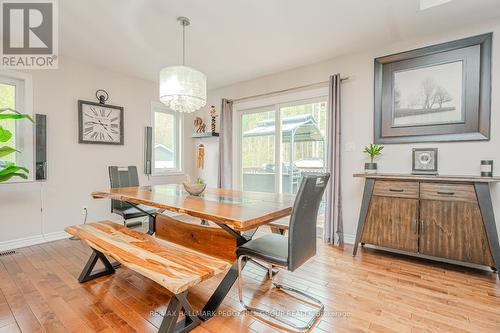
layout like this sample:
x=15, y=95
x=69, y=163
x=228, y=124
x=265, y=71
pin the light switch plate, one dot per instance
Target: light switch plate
x=350, y=146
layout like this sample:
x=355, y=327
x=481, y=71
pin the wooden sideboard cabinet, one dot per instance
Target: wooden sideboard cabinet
x=446, y=217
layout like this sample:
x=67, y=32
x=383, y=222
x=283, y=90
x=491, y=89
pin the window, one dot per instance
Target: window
x=15, y=93
x=280, y=139
x=167, y=126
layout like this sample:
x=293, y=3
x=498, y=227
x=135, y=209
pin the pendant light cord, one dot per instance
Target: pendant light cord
x=184, y=21
x=183, y=45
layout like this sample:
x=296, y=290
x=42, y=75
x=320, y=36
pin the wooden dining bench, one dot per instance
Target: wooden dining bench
x=280, y=226
x=173, y=266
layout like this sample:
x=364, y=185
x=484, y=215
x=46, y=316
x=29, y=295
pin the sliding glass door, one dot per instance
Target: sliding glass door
x=303, y=140
x=279, y=144
x=258, y=147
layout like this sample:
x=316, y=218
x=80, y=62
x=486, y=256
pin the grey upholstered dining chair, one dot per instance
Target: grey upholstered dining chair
x=292, y=251
x=127, y=177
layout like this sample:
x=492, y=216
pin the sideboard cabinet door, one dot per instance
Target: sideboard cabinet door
x=453, y=230
x=392, y=223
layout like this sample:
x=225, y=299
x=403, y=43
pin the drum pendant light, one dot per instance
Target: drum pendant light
x=182, y=88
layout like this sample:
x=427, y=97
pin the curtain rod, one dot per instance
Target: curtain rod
x=285, y=90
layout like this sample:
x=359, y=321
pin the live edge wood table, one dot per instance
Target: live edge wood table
x=234, y=215
x=446, y=217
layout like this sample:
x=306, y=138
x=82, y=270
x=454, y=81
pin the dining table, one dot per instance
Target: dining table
x=227, y=219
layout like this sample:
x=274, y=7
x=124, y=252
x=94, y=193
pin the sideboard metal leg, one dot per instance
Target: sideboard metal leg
x=365, y=204
x=486, y=207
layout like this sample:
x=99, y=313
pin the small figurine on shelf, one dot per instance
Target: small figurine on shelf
x=213, y=115
x=199, y=125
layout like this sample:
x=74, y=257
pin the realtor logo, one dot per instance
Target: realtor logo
x=29, y=34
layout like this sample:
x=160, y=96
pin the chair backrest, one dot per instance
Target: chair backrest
x=122, y=177
x=302, y=230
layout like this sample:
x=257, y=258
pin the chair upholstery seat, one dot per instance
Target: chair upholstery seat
x=132, y=212
x=271, y=248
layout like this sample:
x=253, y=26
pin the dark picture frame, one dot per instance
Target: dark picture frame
x=468, y=61
x=420, y=171
x=81, y=103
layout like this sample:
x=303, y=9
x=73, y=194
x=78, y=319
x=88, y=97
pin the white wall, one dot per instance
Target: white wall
x=75, y=170
x=357, y=118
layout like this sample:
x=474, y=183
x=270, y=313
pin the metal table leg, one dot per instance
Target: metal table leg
x=152, y=218
x=210, y=308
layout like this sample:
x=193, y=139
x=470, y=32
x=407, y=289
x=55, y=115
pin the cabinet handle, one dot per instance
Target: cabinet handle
x=396, y=190
x=445, y=193
x=422, y=226
x=415, y=231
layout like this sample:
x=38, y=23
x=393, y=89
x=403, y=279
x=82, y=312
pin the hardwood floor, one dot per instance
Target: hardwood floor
x=374, y=292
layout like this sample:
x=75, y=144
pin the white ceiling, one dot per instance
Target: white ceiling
x=235, y=40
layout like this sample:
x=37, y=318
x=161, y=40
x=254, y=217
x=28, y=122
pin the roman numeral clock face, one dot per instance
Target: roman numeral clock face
x=100, y=124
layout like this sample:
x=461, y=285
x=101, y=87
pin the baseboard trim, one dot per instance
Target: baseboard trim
x=349, y=239
x=33, y=240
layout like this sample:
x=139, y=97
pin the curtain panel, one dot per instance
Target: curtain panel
x=334, y=227
x=225, y=177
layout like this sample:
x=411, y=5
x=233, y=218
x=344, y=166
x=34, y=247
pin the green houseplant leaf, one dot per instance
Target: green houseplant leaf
x=5, y=135
x=4, y=178
x=14, y=115
x=6, y=150
x=11, y=168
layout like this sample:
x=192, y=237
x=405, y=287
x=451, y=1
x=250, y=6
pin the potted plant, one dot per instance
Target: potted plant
x=9, y=170
x=372, y=150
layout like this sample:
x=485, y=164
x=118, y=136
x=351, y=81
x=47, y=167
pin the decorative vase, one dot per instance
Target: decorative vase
x=370, y=167
x=486, y=168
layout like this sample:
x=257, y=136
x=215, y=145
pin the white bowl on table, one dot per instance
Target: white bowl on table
x=194, y=189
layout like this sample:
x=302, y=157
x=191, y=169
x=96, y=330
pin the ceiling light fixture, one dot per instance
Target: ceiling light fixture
x=426, y=4
x=182, y=88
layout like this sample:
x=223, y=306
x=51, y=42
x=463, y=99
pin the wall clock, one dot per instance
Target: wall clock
x=100, y=123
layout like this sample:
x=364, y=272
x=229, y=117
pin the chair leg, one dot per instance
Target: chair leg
x=275, y=271
x=271, y=314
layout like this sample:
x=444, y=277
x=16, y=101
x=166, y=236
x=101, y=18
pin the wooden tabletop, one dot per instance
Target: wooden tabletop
x=239, y=210
x=437, y=178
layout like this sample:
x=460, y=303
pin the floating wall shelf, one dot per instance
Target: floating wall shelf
x=205, y=135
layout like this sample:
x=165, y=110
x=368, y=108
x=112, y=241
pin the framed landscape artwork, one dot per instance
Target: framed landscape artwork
x=436, y=93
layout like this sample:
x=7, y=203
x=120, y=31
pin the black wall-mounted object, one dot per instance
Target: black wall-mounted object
x=40, y=146
x=148, y=150
x=102, y=96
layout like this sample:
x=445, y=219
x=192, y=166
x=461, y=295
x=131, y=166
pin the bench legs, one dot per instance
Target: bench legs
x=177, y=304
x=88, y=274
x=278, y=231
x=152, y=224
